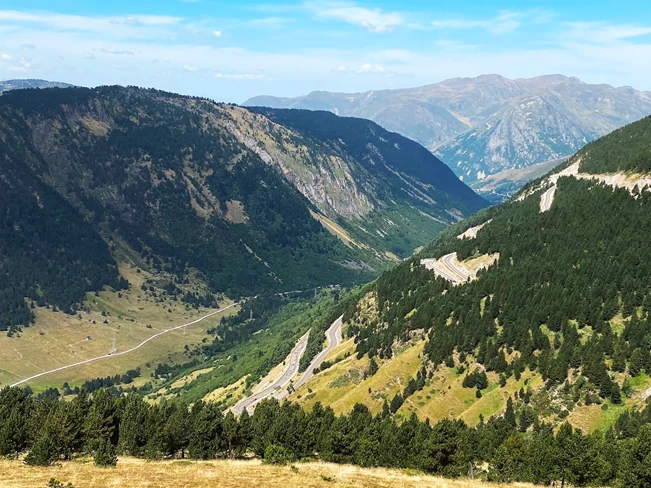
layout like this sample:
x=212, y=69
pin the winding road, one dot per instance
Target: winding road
x=449, y=262
x=80, y=363
x=279, y=384
x=334, y=339
x=547, y=199
x=277, y=388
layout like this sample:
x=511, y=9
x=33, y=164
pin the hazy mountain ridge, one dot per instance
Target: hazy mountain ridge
x=7, y=85
x=484, y=125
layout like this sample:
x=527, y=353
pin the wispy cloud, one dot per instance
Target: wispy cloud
x=603, y=33
x=373, y=20
x=371, y=68
x=504, y=22
x=23, y=64
x=85, y=23
x=113, y=50
x=268, y=22
x=239, y=76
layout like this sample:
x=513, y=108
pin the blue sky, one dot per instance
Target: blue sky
x=232, y=50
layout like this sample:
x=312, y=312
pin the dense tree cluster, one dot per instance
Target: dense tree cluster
x=48, y=252
x=101, y=425
x=626, y=149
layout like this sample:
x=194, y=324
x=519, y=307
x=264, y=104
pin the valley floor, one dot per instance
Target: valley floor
x=136, y=473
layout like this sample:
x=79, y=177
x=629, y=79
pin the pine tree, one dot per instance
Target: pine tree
x=372, y=367
x=509, y=414
x=43, y=452
x=105, y=454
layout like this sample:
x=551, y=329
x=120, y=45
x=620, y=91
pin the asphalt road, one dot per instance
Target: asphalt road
x=547, y=199
x=278, y=386
x=459, y=273
x=334, y=339
x=68, y=366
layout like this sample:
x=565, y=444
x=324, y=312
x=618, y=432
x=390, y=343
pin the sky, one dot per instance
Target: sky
x=232, y=50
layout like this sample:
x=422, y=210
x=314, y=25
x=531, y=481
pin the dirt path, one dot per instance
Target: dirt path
x=68, y=366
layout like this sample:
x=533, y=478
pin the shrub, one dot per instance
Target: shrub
x=43, y=452
x=53, y=483
x=105, y=454
x=275, y=454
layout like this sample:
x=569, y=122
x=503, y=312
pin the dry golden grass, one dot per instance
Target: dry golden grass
x=181, y=382
x=335, y=386
x=337, y=231
x=236, y=390
x=136, y=473
x=445, y=397
x=57, y=339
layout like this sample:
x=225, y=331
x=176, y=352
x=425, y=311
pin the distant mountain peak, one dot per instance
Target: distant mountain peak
x=539, y=119
x=20, y=84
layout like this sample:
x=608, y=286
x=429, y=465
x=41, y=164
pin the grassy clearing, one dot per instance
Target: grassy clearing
x=445, y=397
x=128, y=318
x=342, y=386
x=136, y=473
x=595, y=417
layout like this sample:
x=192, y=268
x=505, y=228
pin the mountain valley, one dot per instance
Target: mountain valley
x=490, y=124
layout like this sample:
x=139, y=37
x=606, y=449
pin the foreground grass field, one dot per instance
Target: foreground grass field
x=136, y=473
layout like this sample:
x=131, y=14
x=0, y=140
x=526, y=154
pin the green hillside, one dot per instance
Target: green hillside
x=568, y=299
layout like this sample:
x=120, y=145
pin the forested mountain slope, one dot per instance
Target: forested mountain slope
x=156, y=171
x=192, y=186
x=484, y=125
x=384, y=189
x=557, y=325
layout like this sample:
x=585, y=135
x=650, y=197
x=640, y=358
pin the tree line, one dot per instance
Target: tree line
x=103, y=426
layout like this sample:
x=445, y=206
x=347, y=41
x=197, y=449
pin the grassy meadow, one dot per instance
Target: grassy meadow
x=128, y=318
x=136, y=473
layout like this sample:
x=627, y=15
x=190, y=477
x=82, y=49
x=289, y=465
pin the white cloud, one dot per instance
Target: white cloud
x=89, y=56
x=129, y=26
x=373, y=20
x=217, y=33
x=371, y=68
x=189, y=67
x=240, y=76
x=23, y=64
x=6, y=57
x=504, y=22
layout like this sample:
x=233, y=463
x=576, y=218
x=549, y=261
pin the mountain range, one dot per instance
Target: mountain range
x=249, y=201
x=7, y=85
x=484, y=125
